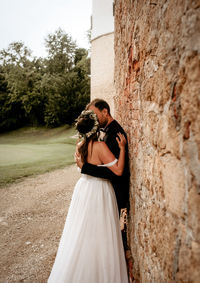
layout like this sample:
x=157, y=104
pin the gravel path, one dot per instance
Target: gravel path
x=32, y=217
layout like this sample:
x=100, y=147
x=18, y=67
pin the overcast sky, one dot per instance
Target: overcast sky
x=31, y=21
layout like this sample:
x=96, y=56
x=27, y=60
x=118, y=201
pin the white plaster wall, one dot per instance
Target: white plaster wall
x=102, y=69
x=102, y=17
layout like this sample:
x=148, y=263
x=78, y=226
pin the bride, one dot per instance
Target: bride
x=91, y=249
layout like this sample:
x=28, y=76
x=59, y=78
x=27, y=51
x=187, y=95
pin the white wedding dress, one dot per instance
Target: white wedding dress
x=91, y=248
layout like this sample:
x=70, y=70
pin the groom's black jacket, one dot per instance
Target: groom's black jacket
x=120, y=183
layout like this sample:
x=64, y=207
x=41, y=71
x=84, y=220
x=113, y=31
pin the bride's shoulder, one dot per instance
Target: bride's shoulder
x=79, y=144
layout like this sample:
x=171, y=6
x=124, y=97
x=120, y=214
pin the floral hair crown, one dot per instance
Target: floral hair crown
x=91, y=115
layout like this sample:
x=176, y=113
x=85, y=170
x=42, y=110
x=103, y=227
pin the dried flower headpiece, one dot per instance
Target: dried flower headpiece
x=91, y=115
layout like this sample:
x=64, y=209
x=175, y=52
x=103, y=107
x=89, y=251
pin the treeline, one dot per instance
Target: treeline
x=47, y=91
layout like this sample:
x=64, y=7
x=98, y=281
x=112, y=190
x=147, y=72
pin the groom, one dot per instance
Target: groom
x=110, y=128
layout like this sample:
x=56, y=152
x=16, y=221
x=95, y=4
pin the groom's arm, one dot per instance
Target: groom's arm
x=96, y=171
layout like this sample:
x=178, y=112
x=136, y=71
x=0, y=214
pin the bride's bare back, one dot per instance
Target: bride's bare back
x=99, y=153
x=93, y=153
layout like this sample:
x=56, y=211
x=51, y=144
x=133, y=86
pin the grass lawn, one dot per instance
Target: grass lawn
x=31, y=151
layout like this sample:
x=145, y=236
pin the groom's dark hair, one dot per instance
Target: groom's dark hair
x=100, y=104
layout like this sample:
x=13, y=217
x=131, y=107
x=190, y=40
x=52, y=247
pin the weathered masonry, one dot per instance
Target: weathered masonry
x=157, y=100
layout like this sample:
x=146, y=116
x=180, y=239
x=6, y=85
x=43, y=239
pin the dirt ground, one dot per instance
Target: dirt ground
x=32, y=217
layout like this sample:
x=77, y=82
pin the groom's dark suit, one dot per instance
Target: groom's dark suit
x=120, y=183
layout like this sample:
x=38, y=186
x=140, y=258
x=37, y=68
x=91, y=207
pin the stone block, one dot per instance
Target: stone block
x=167, y=137
x=174, y=184
x=189, y=260
x=194, y=212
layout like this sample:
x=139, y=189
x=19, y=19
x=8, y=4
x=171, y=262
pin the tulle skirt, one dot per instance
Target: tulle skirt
x=91, y=249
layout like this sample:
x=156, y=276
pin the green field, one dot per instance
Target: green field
x=31, y=151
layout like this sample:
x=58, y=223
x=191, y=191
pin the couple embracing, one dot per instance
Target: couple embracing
x=91, y=248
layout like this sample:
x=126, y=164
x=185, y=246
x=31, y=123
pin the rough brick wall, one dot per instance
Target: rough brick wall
x=157, y=80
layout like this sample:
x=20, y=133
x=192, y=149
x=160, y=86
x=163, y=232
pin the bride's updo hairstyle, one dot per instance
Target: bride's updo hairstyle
x=87, y=126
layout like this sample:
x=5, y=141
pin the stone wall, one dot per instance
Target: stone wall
x=102, y=68
x=157, y=81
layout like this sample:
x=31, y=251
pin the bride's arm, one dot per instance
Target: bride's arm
x=106, y=156
x=77, y=154
x=90, y=169
x=95, y=171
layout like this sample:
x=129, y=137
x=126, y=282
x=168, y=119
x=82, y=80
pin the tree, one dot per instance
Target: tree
x=43, y=91
x=66, y=82
x=60, y=48
x=82, y=71
x=22, y=101
x=16, y=54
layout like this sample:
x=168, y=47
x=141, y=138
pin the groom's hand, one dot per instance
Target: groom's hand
x=78, y=160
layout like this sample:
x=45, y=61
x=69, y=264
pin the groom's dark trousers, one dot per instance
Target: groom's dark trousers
x=120, y=183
